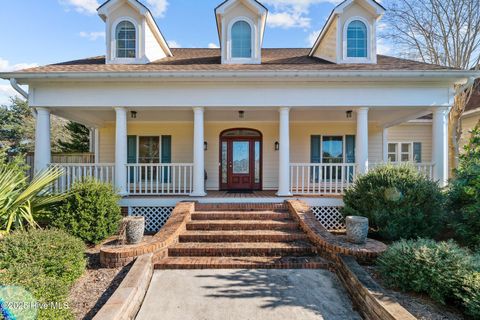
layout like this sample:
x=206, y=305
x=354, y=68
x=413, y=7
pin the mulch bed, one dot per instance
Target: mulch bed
x=421, y=306
x=95, y=287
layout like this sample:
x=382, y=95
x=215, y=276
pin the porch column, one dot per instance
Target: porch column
x=121, y=150
x=440, y=145
x=198, y=154
x=42, y=140
x=361, y=148
x=91, y=140
x=97, y=145
x=385, y=145
x=284, y=154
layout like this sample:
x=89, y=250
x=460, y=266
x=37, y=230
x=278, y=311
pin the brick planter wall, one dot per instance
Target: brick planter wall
x=330, y=244
x=119, y=256
x=369, y=298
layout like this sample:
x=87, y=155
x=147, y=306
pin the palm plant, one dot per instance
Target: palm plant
x=21, y=202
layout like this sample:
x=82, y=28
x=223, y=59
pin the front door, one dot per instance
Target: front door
x=240, y=160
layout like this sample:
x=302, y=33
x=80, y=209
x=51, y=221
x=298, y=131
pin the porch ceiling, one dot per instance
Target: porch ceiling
x=97, y=117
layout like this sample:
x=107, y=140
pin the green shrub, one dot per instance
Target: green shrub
x=464, y=195
x=398, y=201
x=91, y=212
x=443, y=270
x=46, y=263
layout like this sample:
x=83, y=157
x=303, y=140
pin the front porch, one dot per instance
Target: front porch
x=230, y=154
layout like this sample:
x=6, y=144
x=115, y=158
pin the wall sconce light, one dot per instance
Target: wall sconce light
x=349, y=114
x=241, y=114
x=205, y=146
x=277, y=146
x=133, y=114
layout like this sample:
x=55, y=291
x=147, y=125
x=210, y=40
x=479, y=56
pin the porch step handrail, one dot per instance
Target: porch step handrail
x=73, y=172
x=160, y=178
x=321, y=178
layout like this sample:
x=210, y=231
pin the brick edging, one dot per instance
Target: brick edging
x=114, y=257
x=329, y=244
x=370, y=298
x=126, y=301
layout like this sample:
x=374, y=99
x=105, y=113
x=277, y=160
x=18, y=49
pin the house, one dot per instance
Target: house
x=216, y=124
x=471, y=116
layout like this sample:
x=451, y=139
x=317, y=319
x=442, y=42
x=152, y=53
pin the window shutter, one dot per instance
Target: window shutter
x=350, y=149
x=417, y=152
x=315, y=143
x=132, y=149
x=166, y=149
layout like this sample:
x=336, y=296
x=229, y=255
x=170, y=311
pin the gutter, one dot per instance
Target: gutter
x=419, y=75
x=14, y=84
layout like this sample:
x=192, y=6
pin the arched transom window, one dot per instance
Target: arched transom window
x=241, y=40
x=357, y=40
x=126, y=39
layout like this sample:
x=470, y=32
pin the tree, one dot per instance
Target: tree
x=443, y=32
x=17, y=131
x=79, y=138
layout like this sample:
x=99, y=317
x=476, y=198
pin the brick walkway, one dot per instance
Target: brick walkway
x=242, y=236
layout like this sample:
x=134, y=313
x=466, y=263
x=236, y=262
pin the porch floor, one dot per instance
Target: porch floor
x=237, y=195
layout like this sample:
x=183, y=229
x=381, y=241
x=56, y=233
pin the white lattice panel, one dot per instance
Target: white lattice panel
x=329, y=217
x=155, y=217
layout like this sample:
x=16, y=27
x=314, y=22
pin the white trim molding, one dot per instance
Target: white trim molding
x=255, y=57
x=113, y=59
x=371, y=38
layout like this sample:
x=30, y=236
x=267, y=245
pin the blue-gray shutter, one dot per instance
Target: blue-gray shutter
x=350, y=154
x=417, y=152
x=166, y=155
x=315, y=155
x=131, y=154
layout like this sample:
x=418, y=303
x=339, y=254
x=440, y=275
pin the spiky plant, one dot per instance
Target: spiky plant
x=21, y=202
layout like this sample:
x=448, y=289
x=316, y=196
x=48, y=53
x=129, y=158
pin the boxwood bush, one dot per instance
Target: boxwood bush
x=91, y=211
x=398, y=201
x=443, y=270
x=44, y=262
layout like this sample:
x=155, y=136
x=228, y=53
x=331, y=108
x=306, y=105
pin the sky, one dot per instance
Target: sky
x=39, y=32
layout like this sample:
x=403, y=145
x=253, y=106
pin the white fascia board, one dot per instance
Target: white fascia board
x=378, y=9
x=457, y=77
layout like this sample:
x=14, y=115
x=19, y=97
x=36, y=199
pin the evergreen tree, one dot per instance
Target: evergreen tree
x=79, y=138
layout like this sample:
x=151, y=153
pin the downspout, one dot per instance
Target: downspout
x=23, y=93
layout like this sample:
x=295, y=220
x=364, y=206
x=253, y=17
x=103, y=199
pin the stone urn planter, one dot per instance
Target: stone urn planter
x=134, y=229
x=357, y=229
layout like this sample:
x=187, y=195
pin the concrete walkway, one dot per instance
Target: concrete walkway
x=246, y=295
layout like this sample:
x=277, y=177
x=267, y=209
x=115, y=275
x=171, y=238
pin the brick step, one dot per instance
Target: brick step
x=240, y=206
x=242, y=236
x=196, y=249
x=242, y=215
x=241, y=225
x=242, y=263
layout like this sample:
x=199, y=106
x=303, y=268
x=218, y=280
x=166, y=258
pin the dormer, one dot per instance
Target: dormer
x=241, y=25
x=132, y=35
x=350, y=34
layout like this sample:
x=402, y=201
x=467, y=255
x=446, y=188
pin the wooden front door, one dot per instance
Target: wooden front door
x=240, y=160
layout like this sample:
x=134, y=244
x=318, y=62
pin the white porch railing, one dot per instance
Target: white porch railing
x=160, y=179
x=424, y=168
x=104, y=172
x=321, y=178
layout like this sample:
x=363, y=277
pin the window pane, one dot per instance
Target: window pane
x=148, y=150
x=241, y=40
x=392, y=147
x=126, y=38
x=392, y=157
x=241, y=157
x=224, y=162
x=332, y=148
x=357, y=40
x=257, y=161
x=405, y=147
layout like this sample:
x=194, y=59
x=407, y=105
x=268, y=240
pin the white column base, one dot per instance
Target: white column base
x=288, y=194
x=198, y=194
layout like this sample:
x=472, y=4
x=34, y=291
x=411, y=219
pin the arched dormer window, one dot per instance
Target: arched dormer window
x=126, y=40
x=357, y=40
x=241, y=40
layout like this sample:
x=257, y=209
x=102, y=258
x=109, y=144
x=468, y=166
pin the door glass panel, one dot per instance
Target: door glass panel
x=240, y=154
x=332, y=149
x=257, y=161
x=224, y=162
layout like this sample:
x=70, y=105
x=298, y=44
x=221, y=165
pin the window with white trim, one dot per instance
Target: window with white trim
x=357, y=38
x=241, y=40
x=126, y=40
x=404, y=152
